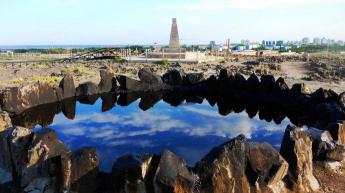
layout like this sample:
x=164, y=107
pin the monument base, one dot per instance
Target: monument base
x=169, y=53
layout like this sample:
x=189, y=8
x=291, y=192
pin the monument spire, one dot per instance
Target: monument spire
x=174, y=37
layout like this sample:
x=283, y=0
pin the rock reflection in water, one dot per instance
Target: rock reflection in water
x=189, y=130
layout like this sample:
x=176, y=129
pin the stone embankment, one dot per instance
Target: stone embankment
x=39, y=162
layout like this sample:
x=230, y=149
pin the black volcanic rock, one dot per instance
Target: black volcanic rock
x=193, y=78
x=253, y=83
x=238, y=166
x=267, y=83
x=68, y=87
x=106, y=83
x=87, y=89
x=147, y=76
x=172, y=175
x=174, y=77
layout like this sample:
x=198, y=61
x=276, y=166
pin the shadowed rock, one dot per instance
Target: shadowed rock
x=130, y=174
x=267, y=83
x=147, y=76
x=193, y=78
x=89, y=100
x=87, y=89
x=68, y=107
x=253, y=83
x=67, y=86
x=80, y=171
x=172, y=175
x=149, y=100
x=106, y=83
x=127, y=99
x=108, y=101
x=174, y=77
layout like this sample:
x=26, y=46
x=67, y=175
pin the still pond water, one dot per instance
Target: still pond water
x=189, y=130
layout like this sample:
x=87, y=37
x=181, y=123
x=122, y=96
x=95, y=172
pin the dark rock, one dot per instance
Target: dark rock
x=328, y=113
x=68, y=108
x=108, y=101
x=281, y=87
x=127, y=99
x=299, y=89
x=106, y=83
x=239, y=81
x=174, y=77
x=174, y=99
x=130, y=173
x=296, y=148
x=80, y=171
x=342, y=100
x=172, y=175
x=267, y=83
x=193, y=78
x=41, y=157
x=42, y=115
x=253, y=83
x=68, y=87
x=239, y=166
x=322, y=143
x=89, y=100
x=223, y=76
x=149, y=100
x=18, y=99
x=147, y=76
x=128, y=84
x=87, y=89
x=321, y=96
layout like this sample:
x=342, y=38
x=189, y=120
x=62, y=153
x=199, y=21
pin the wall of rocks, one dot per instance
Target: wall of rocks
x=39, y=162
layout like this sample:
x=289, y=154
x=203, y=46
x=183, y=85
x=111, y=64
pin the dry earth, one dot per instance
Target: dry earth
x=14, y=74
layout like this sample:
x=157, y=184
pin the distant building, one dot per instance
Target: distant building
x=212, y=45
x=317, y=41
x=324, y=41
x=305, y=41
x=280, y=43
x=340, y=42
x=245, y=42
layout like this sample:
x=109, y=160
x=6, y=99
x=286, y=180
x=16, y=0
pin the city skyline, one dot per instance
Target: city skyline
x=76, y=22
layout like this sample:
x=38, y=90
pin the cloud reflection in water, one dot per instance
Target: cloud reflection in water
x=189, y=130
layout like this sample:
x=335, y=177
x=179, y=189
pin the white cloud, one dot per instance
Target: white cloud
x=140, y=143
x=74, y=131
x=245, y=4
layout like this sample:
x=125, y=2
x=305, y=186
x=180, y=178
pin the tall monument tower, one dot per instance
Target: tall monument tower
x=174, y=37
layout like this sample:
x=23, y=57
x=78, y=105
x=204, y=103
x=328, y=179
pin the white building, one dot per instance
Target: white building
x=324, y=41
x=317, y=41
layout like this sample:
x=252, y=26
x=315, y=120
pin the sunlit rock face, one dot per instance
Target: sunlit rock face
x=240, y=166
x=5, y=121
x=297, y=150
x=18, y=99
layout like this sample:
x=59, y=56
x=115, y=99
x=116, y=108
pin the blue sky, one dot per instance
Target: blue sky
x=46, y=22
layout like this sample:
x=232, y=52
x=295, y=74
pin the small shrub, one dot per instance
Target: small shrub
x=164, y=62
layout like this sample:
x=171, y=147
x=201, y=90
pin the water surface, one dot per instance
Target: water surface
x=190, y=130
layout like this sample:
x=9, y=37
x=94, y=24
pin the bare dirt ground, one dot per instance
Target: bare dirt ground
x=14, y=74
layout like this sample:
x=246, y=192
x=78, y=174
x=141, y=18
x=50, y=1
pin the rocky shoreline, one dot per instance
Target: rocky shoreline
x=40, y=162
